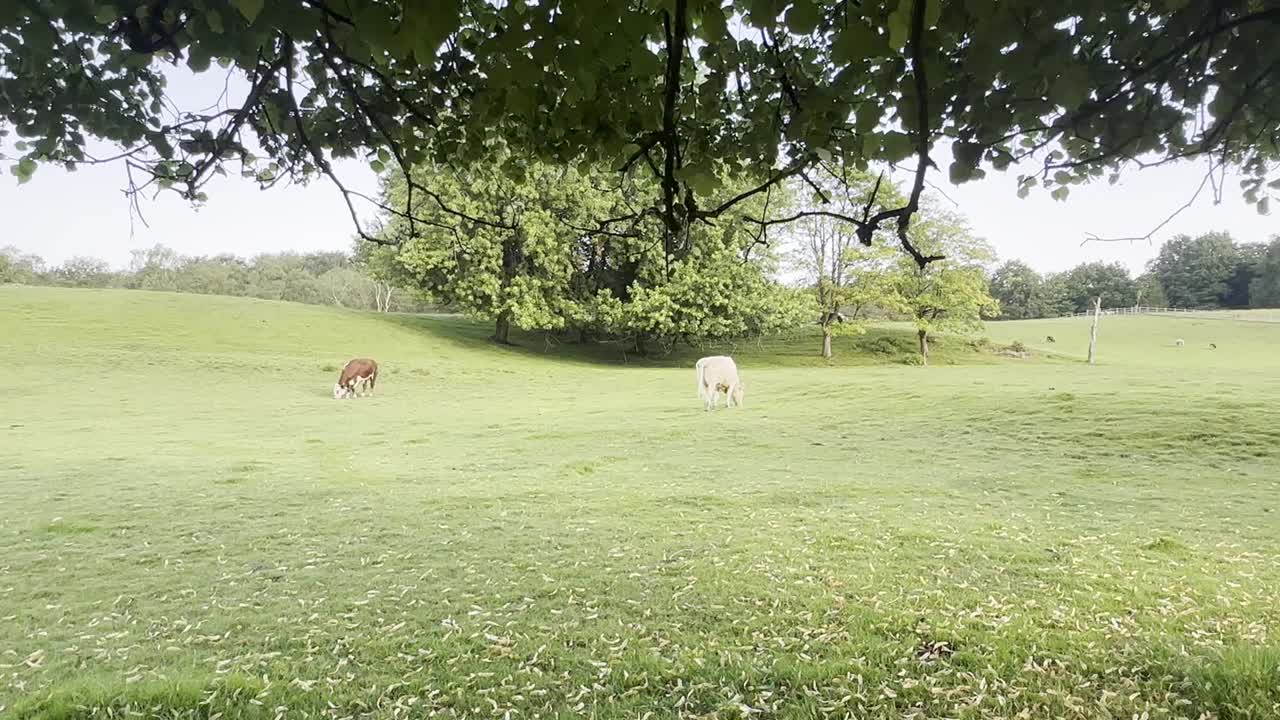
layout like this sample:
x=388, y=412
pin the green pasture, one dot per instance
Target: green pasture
x=190, y=526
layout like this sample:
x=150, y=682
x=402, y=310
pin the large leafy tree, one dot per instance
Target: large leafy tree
x=1264, y=291
x=951, y=294
x=690, y=92
x=19, y=267
x=1196, y=272
x=1086, y=281
x=546, y=264
x=519, y=270
x=846, y=278
x=1018, y=289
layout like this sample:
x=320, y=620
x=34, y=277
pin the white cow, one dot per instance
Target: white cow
x=716, y=374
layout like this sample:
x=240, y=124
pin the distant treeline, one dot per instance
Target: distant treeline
x=1211, y=271
x=319, y=278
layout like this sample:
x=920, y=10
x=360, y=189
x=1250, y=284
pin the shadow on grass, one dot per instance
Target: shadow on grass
x=801, y=348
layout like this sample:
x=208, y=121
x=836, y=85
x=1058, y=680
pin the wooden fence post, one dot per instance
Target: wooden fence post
x=1093, y=331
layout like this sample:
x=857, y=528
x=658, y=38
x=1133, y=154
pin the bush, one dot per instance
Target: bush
x=1017, y=346
x=886, y=344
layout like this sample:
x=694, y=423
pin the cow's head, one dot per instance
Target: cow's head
x=339, y=392
x=739, y=391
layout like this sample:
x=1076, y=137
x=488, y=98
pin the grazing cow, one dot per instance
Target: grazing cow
x=1178, y=342
x=717, y=374
x=356, y=375
x=1049, y=339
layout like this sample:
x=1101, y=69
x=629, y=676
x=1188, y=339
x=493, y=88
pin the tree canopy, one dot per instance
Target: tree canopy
x=690, y=92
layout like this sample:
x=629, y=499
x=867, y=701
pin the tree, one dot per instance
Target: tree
x=1264, y=291
x=687, y=92
x=549, y=265
x=83, y=272
x=951, y=294
x=1149, y=291
x=1084, y=282
x=1019, y=290
x=1196, y=272
x=1249, y=258
x=519, y=272
x=155, y=268
x=845, y=277
x=19, y=267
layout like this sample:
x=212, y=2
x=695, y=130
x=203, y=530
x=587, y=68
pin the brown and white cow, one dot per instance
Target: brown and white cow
x=356, y=375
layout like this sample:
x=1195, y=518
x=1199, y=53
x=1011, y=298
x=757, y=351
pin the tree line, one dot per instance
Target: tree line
x=318, y=278
x=1210, y=271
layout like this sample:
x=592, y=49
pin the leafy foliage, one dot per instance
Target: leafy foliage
x=1264, y=291
x=324, y=278
x=547, y=264
x=1081, y=284
x=1196, y=272
x=951, y=294
x=1018, y=289
x=683, y=91
x=847, y=279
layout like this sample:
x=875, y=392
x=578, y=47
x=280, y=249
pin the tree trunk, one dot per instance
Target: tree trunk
x=1093, y=329
x=584, y=337
x=924, y=345
x=641, y=350
x=502, y=329
x=826, y=343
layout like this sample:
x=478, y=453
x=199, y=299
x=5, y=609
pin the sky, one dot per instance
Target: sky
x=59, y=215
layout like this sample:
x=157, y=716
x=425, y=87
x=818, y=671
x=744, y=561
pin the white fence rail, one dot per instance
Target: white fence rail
x=1214, y=314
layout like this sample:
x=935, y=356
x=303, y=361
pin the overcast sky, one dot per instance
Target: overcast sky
x=59, y=214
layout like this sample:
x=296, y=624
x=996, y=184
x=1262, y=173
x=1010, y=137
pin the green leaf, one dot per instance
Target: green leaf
x=714, y=25
x=763, y=12
x=214, y=18
x=804, y=17
x=1274, y=184
x=383, y=155
x=823, y=154
x=1060, y=193
x=1062, y=177
x=25, y=168
x=855, y=42
x=249, y=8
x=106, y=14
x=960, y=172
x=900, y=25
x=1264, y=206
x=377, y=166
x=932, y=12
x=897, y=146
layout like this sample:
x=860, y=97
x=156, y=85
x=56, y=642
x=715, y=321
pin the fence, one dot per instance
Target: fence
x=1268, y=315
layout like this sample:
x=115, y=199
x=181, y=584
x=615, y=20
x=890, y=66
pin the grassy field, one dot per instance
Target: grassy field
x=191, y=527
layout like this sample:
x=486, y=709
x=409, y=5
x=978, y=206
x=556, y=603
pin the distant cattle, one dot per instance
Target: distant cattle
x=1049, y=339
x=356, y=375
x=1213, y=346
x=717, y=374
x=1179, y=342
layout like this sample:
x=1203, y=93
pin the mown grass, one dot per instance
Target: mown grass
x=192, y=528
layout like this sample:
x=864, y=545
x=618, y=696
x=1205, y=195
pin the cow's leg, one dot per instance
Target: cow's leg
x=372, y=379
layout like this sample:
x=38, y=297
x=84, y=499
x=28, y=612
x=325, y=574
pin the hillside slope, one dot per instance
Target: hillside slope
x=123, y=321
x=1151, y=340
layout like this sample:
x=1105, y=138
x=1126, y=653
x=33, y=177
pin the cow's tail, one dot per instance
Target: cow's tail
x=701, y=387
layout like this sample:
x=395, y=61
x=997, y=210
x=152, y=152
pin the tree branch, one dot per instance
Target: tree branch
x=1091, y=237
